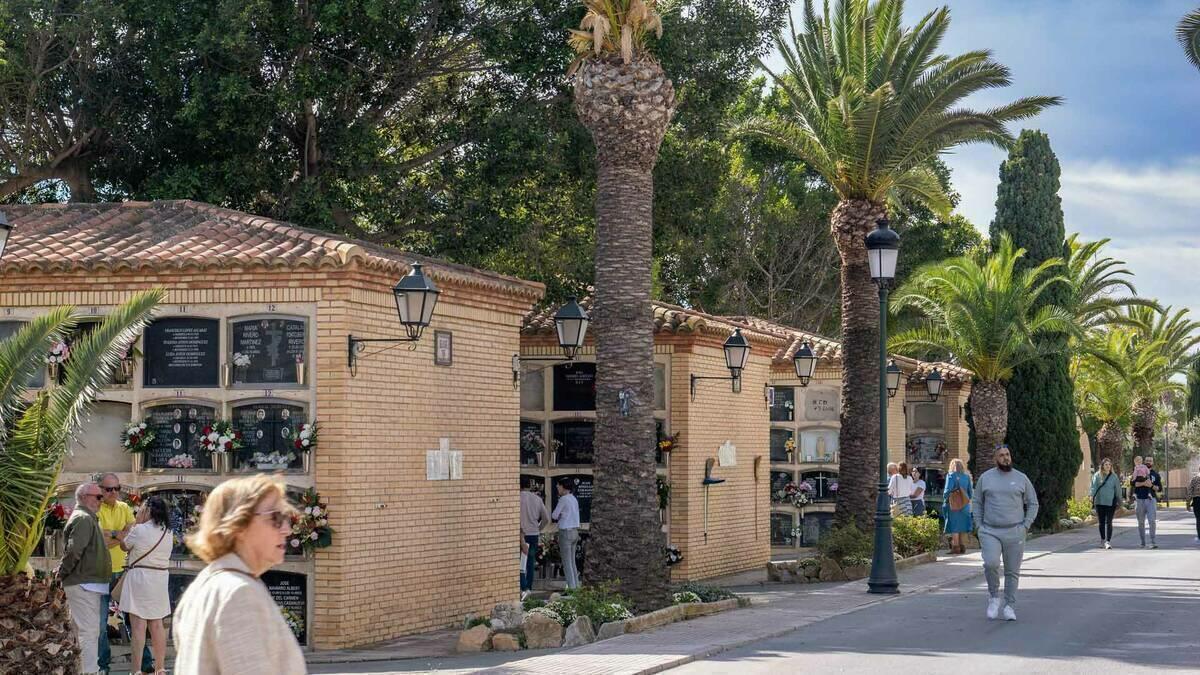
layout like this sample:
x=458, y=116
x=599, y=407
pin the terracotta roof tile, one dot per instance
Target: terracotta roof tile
x=186, y=234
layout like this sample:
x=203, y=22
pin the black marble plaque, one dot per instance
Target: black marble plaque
x=182, y=352
x=267, y=428
x=177, y=430
x=784, y=408
x=290, y=592
x=779, y=481
x=177, y=583
x=782, y=525
x=539, y=481
x=272, y=347
x=573, y=440
x=821, y=481
x=779, y=439
x=530, y=433
x=575, y=386
x=584, y=485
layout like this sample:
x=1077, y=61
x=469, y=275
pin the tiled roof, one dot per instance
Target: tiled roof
x=179, y=235
x=949, y=371
x=667, y=318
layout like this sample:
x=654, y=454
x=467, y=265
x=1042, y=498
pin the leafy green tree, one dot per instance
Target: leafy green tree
x=35, y=440
x=871, y=105
x=1042, y=431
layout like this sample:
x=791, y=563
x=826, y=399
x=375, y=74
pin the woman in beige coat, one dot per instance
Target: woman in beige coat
x=226, y=623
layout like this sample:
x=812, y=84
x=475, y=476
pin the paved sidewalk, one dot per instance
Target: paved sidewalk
x=683, y=642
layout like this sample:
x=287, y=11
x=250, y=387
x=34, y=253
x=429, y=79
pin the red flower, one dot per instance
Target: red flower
x=298, y=445
x=207, y=430
x=228, y=445
x=59, y=511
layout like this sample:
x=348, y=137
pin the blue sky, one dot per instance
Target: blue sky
x=1128, y=135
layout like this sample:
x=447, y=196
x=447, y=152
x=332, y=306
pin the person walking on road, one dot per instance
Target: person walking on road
x=1004, y=508
x=1147, y=507
x=918, y=493
x=534, y=519
x=1193, y=494
x=84, y=572
x=1106, y=497
x=566, y=514
x=956, y=505
x=900, y=488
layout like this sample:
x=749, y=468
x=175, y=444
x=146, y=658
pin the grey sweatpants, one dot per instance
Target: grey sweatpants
x=1147, y=508
x=1007, y=545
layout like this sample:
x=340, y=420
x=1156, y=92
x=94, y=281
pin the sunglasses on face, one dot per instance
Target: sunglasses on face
x=111, y=489
x=277, y=517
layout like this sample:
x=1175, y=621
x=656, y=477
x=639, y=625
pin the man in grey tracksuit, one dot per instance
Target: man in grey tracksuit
x=1004, y=507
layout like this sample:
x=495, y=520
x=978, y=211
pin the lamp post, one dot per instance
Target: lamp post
x=883, y=248
x=570, y=324
x=805, y=362
x=893, y=378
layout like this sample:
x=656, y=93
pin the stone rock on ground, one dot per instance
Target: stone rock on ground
x=542, y=632
x=831, y=571
x=611, y=629
x=579, y=633
x=505, y=642
x=477, y=639
x=507, y=616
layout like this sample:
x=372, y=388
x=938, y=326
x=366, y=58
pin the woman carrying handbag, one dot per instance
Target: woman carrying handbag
x=142, y=591
x=1106, y=495
x=956, y=505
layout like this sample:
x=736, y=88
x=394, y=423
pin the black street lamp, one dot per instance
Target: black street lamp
x=883, y=248
x=933, y=385
x=737, y=353
x=416, y=296
x=893, y=378
x=806, y=362
x=571, y=324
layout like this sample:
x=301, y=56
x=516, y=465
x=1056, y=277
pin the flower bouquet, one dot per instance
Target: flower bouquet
x=137, y=438
x=58, y=355
x=790, y=448
x=182, y=461
x=310, y=529
x=56, y=516
x=240, y=363
x=305, y=437
x=272, y=461
x=793, y=494
x=674, y=557
x=667, y=443
x=533, y=443
x=294, y=621
x=220, y=438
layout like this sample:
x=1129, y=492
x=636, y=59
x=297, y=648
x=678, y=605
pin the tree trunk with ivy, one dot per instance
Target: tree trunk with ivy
x=627, y=108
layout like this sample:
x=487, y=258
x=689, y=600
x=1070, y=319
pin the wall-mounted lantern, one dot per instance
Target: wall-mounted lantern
x=416, y=297
x=571, y=324
x=893, y=378
x=933, y=385
x=805, y=362
x=737, y=353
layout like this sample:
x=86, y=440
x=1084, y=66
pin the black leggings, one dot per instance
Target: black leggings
x=1104, y=514
x=1196, y=510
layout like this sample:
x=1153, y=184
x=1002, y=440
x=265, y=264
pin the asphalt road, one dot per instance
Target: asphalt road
x=1084, y=610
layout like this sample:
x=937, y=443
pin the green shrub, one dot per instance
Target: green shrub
x=1079, y=508
x=914, y=535
x=684, y=597
x=478, y=621
x=856, y=561
x=706, y=593
x=559, y=610
x=599, y=603
x=845, y=542
x=532, y=602
x=810, y=562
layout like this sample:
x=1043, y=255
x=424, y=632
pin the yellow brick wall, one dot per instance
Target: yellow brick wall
x=738, y=536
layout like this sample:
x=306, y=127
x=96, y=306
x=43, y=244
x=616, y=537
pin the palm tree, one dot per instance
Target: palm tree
x=1095, y=285
x=1189, y=36
x=983, y=313
x=1104, y=374
x=626, y=101
x=39, y=635
x=872, y=104
x=1171, y=336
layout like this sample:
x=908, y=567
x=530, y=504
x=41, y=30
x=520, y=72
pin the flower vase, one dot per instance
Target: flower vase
x=539, y=458
x=53, y=369
x=307, y=458
x=139, y=462
x=300, y=372
x=50, y=545
x=239, y=374
x=554, y=458
x=220, y=462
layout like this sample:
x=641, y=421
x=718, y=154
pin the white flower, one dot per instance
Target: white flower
x=142, y=425
x=322, y=522
x=295, y=543
x=313, y=535
x=308, y=510
x=305, y=435
x=213, y=437
x=222, y=440
x=305, y=443
x=316, y=510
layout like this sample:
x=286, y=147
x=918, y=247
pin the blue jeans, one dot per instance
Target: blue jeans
x=530, y=562
x=105, y=651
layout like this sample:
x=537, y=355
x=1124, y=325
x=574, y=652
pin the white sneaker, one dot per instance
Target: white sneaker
x=1107, y=545
x=993, y=609
x=1009, y=613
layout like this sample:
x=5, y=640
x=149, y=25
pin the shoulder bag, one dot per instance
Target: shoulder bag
x=115, y=591
x=958, y=498
x=1098, y=489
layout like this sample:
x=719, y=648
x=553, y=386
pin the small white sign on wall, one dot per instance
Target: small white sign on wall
x=727, y=454
x=443, y=463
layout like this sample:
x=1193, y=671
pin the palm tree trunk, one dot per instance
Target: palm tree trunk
x=1144, y=416
x=40, y=635
x=1109, y=441
x=858, y=438
x=989, y=405
x=627, y=107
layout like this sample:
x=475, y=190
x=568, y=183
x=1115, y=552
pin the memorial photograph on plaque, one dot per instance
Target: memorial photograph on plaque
x=182, y=352
x=289, y=590
x=584, y=485
x=268, y=350
x=575, y=386
x=177, y=429
x=268, y=436
x=533, y=443
x=573, y=441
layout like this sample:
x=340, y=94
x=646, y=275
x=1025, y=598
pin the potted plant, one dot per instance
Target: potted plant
x=57, y=356
x=219, y=439
x=137, y=440
x=310, y=529
x=54, y=522
x=304, y=440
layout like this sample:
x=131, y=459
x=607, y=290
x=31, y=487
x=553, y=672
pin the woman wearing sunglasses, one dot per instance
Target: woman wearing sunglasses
x=226, y=622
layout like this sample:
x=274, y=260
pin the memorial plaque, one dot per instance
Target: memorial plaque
x=779, y=439
x=7, y=330
x=779, y=481
x=183, y=514
x=815, y=526
x=182, y=352
x=271, y=347
x=538, y=481
x=821, y=482
x=660, y=432
x=289, y=590
x=177, y=429
x=177, y=583
x=821, y=405
x=268, y=428
x=533, y=443
x=575, y=386
x=783, y=408
x=782, y=525
x=584, y=485
x=573, y=441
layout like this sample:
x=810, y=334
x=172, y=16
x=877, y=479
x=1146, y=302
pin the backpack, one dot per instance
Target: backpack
x=958, y=499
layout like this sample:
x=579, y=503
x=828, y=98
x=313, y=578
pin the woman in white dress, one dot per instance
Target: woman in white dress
x=900, y=487
x=144, y=591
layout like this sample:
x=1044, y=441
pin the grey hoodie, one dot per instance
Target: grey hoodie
x=1004, y=499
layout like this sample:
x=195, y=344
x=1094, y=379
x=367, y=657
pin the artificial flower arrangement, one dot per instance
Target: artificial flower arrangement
x=219, y=437
x=674, y=557
x=241, y=360
x=294, y=622
x=59, y=353
x=790, y=448
x=272, y=460
x=532, y=442
x=137, y=437
x=56, y=516
x=310, y=529
x=182, y=461
x=133, y=499
x=305, y=437
x=667, y=443
x=793, y=494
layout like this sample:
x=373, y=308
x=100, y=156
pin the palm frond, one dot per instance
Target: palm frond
x=1188, y=33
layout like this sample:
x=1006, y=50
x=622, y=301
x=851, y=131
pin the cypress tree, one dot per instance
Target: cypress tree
x=1042, y=431
x=1193, y=401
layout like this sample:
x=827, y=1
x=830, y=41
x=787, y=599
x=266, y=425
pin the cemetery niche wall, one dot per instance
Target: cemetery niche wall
x=246, y=361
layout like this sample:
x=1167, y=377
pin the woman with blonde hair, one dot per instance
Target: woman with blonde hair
x=956, y=505
x=226, y=622
x=1106, y=497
